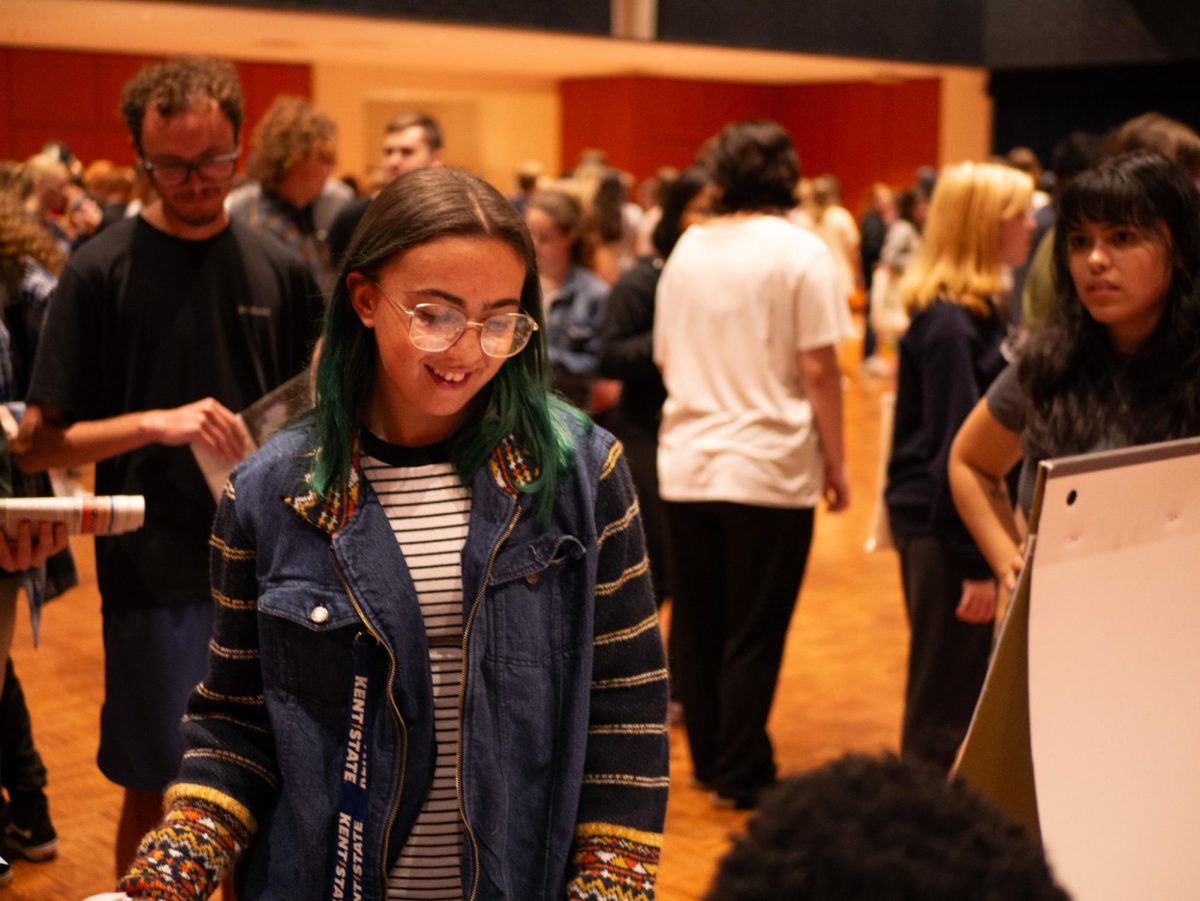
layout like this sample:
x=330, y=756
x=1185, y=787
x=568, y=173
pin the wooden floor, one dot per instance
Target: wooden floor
x=840, y=690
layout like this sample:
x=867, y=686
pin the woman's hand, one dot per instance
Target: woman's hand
x=26, y=553
x=1010, y=575
x=978, y=602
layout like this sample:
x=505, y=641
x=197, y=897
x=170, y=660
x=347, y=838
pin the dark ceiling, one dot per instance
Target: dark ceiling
x=992, y=34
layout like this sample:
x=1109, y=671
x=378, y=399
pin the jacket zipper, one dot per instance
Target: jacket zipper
x=391, y=681
x=462, y=701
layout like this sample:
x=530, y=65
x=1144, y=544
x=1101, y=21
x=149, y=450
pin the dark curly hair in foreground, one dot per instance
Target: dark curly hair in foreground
x=883, y=829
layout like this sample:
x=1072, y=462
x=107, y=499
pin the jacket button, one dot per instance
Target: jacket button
x=319, y=614
x=533, y=578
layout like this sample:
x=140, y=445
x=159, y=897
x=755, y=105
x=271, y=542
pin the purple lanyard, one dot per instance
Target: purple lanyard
x=346, y=883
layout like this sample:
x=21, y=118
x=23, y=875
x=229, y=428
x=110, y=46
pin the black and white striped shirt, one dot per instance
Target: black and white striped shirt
x=429, y=508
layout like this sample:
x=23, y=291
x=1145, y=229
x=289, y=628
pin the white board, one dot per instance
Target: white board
x=1114, y=672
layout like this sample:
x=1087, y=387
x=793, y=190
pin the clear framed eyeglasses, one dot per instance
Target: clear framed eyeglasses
x=435, y=327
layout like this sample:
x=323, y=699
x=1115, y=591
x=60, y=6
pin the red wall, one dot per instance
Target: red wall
x=864, y=132
x=644, y=123
x=73, y=97
x=861, y=132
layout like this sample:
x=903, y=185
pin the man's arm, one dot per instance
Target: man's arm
x=823, y=382
x=53, y=442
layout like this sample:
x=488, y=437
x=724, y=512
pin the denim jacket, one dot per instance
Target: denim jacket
x=563, y=753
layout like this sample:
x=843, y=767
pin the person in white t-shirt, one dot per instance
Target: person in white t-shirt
x=747, y=320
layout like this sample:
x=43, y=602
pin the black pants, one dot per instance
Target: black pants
x=22, y=771
x=947, y=658
x=735, y=572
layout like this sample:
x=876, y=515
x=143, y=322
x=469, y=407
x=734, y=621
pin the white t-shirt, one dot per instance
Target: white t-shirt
x=737, y=302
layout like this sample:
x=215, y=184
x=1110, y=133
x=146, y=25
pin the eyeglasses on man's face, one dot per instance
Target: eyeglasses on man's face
x=172, y=173
x=436, y=327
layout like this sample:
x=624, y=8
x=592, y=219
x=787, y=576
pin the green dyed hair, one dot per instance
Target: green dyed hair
x=417, y=208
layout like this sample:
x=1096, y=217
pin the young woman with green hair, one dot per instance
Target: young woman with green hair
x=442, y=573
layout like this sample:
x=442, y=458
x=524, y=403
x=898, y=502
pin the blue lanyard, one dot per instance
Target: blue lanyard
x=346, y=883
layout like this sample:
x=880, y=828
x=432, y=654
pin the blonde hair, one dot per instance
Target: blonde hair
x=959, y=260
x=45, y=165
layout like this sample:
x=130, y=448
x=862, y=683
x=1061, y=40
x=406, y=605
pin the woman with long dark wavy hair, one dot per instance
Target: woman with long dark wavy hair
x=1118, y=363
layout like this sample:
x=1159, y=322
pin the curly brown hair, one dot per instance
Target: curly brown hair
x=22, y=237
x=176, y=85
x=291, y=131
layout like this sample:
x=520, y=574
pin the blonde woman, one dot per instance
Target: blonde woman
x=979, y=222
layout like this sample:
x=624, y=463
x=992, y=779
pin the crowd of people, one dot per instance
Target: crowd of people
x=534, y=419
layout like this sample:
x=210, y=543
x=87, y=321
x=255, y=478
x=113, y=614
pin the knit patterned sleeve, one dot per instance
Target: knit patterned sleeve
x=618, y=833
x=228, y=768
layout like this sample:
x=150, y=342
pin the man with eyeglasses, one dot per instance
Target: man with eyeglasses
x=160, y=327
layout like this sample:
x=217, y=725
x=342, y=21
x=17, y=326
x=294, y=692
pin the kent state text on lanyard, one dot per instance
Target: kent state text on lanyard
x=348, y=868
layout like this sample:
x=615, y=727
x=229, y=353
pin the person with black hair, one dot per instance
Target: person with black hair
x=881, y=829
x=613, y=226
x=747, y=321
x=1118, y=361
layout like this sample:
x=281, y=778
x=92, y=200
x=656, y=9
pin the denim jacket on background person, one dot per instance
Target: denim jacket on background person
x=573, y=324
x=563, y=755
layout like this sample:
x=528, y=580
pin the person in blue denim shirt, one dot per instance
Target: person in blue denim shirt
x=435, y=636
x=575, y=297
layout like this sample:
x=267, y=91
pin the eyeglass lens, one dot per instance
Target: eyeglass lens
x=177, y=172
x=436, y=327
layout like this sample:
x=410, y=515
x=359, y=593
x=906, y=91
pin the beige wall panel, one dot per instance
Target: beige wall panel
x=966, y=116
x=490, y=125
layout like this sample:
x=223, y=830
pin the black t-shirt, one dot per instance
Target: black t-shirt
x=143, y=320
x=626, y=344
